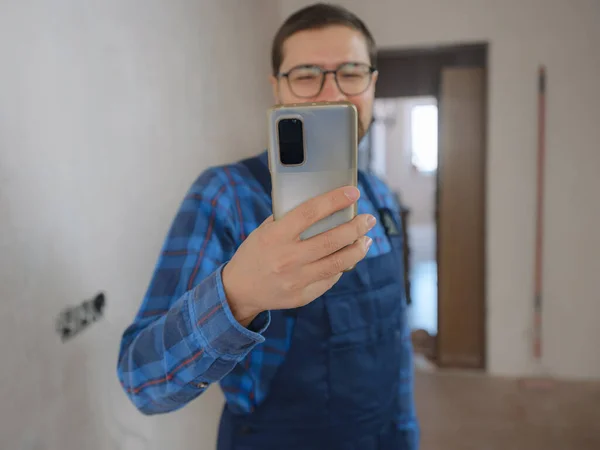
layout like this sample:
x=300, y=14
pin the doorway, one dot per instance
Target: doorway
x=428, y=144
x=405, y=155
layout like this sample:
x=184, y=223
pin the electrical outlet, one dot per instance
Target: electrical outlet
x=75, y=319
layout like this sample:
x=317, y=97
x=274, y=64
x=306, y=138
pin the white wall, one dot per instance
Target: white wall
x=108, y=111
x=564, y=35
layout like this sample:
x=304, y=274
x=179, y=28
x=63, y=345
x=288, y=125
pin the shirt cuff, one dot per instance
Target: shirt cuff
x=260, y=322
x=213, y=320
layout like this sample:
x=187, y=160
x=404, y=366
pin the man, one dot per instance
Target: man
x=307, y=358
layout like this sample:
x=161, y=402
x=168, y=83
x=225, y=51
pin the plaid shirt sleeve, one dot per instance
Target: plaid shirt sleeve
x=184, y=336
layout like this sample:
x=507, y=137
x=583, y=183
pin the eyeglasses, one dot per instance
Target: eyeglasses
x=307, y=81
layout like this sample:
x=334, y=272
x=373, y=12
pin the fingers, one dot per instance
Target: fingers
x=331, y=241
x=336, y=263
x=313, y=210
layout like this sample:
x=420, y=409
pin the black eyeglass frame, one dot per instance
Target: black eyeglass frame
x=324, y=73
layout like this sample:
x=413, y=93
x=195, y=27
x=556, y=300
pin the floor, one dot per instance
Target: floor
x=461, y=411
x=473, y=411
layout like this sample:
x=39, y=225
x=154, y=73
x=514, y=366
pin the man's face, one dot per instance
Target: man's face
x=327, y=48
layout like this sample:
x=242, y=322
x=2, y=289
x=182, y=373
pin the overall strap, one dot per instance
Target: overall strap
x=369, y=191
x=391, y=226
x=259, y=171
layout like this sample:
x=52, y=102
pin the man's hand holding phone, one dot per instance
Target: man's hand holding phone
x=275, y=269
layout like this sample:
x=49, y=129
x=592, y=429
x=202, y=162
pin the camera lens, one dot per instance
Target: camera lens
x=291, y=141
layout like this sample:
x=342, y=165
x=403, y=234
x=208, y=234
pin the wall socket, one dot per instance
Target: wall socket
x=73, y=320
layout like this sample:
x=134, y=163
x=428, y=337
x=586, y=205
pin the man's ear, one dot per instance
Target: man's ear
x=275, y=86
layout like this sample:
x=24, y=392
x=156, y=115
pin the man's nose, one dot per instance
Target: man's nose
x=330, y=92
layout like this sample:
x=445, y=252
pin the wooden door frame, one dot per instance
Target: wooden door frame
x=416, y=72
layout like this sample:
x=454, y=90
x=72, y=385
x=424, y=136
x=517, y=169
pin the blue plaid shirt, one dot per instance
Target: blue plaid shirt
x=184, y=336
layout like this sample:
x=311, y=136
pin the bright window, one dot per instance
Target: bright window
x=424, y=137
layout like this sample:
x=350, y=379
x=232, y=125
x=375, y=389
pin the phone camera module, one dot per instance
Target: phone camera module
x=291, y=141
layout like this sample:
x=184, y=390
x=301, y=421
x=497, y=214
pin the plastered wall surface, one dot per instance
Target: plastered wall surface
x=108, y=111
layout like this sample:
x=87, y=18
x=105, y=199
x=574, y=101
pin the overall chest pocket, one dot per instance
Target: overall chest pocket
x=371, y=302
x=362, y=317
x=367, y=347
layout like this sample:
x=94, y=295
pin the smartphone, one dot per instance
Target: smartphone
x=313, y=149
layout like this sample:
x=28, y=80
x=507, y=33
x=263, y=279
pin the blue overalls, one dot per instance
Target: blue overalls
x=346, y=382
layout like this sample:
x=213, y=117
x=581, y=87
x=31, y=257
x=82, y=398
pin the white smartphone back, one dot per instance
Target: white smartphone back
x=327, y=136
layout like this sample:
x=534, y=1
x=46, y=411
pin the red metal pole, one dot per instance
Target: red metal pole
x=541, y=153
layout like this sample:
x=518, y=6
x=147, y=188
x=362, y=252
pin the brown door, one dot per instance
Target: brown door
x=461, y=214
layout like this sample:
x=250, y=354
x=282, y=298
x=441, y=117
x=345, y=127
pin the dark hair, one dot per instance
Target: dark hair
x=318, y=15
